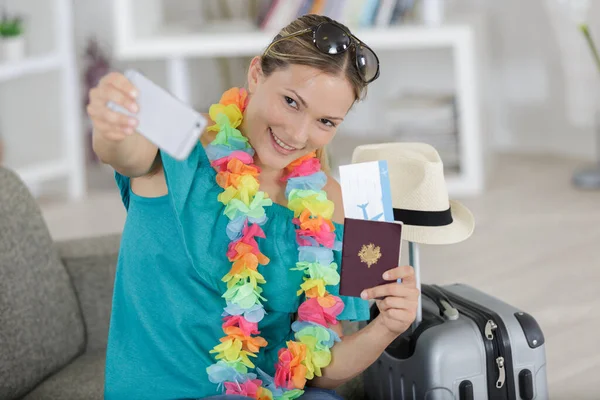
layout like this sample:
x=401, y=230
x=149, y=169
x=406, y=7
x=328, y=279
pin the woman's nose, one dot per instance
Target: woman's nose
x=300, y=131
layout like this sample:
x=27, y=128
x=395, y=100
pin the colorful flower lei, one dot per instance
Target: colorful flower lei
x=303, y=358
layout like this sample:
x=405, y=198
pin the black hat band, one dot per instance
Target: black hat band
x=423, y=218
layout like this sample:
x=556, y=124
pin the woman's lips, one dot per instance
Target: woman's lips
x=279, y=145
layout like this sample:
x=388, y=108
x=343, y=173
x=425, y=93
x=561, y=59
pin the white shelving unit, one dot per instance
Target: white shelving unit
x=30, y=66
x=177, y=49
x=47, y=77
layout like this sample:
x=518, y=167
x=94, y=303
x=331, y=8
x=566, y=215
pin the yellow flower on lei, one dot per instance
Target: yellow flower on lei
x=231, y=351
x=316, y=202
x=232, y=111
x=248, y=187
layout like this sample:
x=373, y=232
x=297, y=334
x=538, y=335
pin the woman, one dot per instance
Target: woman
x=185, y=320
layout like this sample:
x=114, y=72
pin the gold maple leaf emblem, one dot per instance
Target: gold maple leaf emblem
x=369, y=254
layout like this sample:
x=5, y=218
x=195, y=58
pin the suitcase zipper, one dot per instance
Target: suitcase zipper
x=501, y=372
x=475, y=315
x=492, y=353
x=490, y=329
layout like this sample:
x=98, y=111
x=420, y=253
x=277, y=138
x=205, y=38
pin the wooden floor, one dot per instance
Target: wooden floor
x=536, y=245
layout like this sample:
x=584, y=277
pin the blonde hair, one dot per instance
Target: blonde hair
x=301, y=50
x=324, y=160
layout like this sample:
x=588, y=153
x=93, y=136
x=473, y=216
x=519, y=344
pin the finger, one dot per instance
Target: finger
x=111, y=132
x=402, y=303
x=391, y=289
x=96, y=114
x=405, y=272
x=117, y=132
x=401, y=315
x=114, y=118
x=100, y=113
x=102, y=94
x=117, y=96
x=119, y=81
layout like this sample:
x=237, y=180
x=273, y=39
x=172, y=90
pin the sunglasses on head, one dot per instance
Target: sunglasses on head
x=331, y=38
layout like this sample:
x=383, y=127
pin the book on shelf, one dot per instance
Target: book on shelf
x=275, y=14
x=422, y=112
x=435, y=122
x=272, y=15
x=427, y=118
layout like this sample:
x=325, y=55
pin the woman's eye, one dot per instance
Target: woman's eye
x=291, y=101
x=327, y=122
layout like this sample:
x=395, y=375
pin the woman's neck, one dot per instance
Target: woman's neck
x=270, y=182
x=267, y=173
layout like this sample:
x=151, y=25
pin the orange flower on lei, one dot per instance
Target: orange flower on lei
x=291, y=373
x=233, y=103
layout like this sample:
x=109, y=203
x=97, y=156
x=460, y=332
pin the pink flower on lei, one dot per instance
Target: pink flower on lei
x=248, y=388
x=249, y=328
x=312, y=311
x=222, y=162
x=324, y=237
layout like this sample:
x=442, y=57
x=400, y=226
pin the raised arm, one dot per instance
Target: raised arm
x=115, y=140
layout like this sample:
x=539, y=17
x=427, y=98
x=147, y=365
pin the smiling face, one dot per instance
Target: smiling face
x=294, y=111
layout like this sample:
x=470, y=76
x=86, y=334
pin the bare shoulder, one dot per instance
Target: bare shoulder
x=334, y=193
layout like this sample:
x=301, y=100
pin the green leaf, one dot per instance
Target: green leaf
x=11, y=27
x=590, y=41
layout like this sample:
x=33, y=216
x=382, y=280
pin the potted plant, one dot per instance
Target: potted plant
x=587, y=178
x=12, y=40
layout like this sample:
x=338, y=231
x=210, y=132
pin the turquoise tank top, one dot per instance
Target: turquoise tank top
x=167, y=304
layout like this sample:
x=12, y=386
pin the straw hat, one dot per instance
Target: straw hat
x=419, y=193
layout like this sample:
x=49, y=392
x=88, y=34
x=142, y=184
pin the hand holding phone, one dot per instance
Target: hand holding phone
x=164, y=120
x=108, y=124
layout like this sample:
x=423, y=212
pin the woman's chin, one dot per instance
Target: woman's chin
x=272, y=156
x=272, y=160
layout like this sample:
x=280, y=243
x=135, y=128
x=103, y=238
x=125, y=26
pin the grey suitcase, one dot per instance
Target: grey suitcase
x=469, y=345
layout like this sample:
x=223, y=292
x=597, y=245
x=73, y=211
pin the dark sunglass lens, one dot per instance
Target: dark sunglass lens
x=331, y=39
x=366, y=62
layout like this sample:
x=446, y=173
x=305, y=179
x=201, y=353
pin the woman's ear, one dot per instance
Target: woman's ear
x=254, y=74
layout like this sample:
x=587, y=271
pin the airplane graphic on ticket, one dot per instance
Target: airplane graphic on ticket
x=366, y=191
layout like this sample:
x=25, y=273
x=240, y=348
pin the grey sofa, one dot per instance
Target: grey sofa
x=55, y=301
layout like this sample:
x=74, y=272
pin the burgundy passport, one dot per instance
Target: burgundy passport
x=369, y=249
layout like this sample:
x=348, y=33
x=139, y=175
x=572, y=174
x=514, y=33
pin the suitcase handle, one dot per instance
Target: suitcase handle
x=444, y=304
x=413, y=259
x=446, y=308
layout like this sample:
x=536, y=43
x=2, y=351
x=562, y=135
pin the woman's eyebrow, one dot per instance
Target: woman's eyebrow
x=306, y=105
x=299, y=97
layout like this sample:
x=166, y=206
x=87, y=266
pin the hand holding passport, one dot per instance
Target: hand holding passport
x=370, y=248
x=372, y=240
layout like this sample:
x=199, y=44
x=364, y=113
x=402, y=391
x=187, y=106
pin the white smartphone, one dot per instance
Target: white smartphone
x=163, y=119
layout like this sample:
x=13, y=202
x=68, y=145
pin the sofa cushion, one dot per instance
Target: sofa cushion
x=82, y=379
x=41, y=327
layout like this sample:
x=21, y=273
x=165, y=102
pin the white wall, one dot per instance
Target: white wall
x=30, y=118
x=93, y=17
x=545, y=86
x=542, y=85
